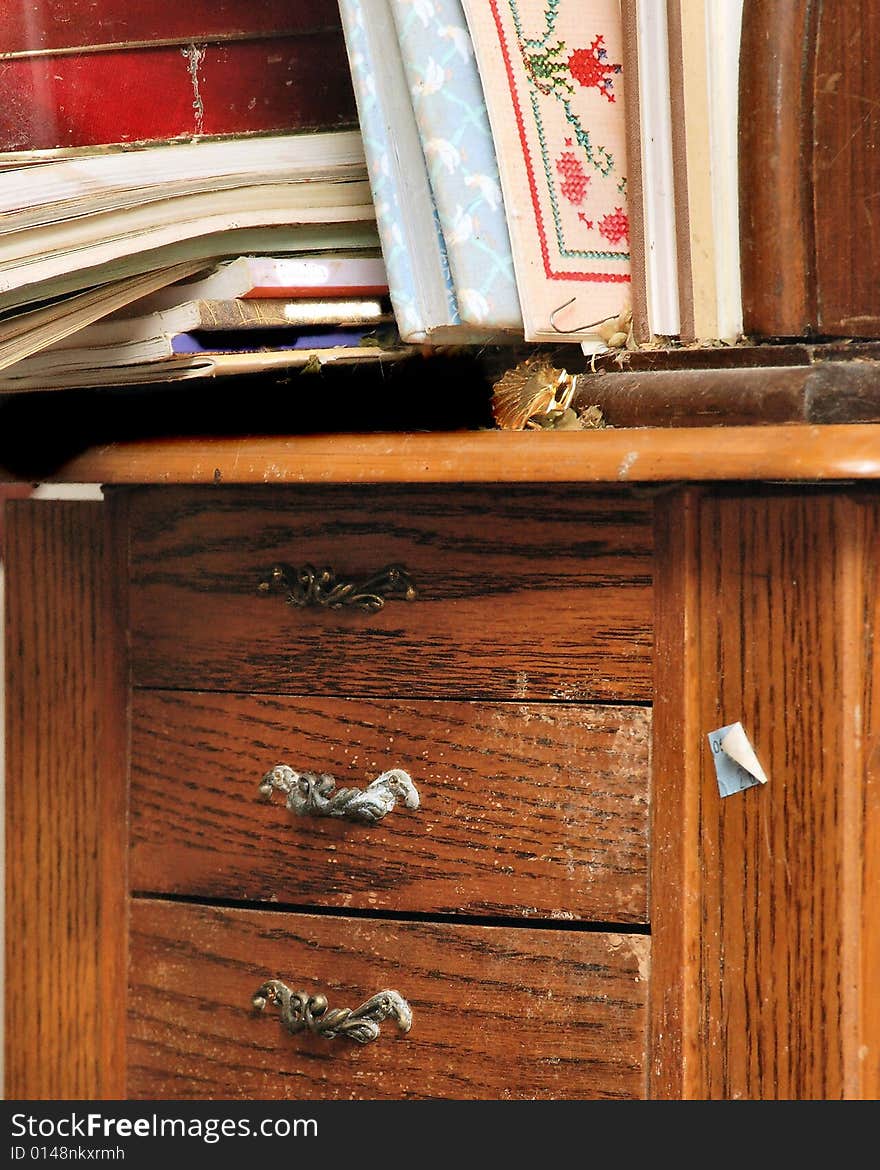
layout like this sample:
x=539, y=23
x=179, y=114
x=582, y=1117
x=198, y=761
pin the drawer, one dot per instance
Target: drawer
x=538, y=810
x=520, y=592
x=497, y=1013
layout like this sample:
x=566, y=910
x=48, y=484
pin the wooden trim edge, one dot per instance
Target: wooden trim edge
x=650, y=455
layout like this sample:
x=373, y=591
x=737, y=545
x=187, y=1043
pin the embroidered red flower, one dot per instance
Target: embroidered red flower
x=615, y=226
x=575, y=180
x=591, y=68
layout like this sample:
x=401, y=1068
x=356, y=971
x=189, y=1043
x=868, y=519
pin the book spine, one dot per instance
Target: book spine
x=681, y=194
x=636, y=171
x=689, y=49
x=453, y=124
x=723, y=31
x=167, y=92
x=704, y=38
x=270, y=313
x=653, y=147
x=248, y=341
x=312, y=276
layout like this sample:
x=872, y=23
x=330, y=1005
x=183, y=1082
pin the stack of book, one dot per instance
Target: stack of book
x=244, y=315
x=683, y=138
x=495, y=135
x=554, y=170
x=138, y=245
x=622, y=174
x=486, y=171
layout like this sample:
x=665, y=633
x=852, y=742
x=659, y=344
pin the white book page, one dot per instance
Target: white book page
x=661, y=260
x=723, y=26
x=661, y=263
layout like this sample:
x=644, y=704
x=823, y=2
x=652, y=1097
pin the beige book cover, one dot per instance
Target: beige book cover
x=552, y=74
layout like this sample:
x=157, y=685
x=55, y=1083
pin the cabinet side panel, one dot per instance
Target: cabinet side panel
x=761, y=903
x=777, y=880
x=65, y=843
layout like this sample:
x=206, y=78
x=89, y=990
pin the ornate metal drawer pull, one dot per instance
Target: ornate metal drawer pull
x=300, y=1012
x=310, y=586
x=316, y=795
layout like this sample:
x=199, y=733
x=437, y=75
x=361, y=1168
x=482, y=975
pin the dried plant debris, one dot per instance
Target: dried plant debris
x=617, y=332
x=591, y=417
x=530, y=393
x=536, y=395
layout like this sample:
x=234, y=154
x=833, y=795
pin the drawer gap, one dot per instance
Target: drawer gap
x=460, y=696
x=508, y=921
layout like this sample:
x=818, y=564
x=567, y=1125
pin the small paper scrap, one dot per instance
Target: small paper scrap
x=736, y=764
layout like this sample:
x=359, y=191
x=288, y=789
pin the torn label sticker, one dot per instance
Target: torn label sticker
x=736, y=764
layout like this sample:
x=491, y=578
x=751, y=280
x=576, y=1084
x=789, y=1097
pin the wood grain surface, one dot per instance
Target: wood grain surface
x=498, y=1013
x=846, y=168
x=868, y=925
x=776, y=921
x=821, y=392
x=533, y=810
x=674, y=908
x=629, y=456
x=65, y=927
x=522, y=593
x=777, y=243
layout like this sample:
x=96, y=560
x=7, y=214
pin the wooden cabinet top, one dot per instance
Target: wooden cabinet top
x=796, y=453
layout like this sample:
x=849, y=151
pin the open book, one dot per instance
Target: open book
x=90, y=212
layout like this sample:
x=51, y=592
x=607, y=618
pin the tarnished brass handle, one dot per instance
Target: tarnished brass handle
x=316, y=795
x=307, y=585
x=300, y=1012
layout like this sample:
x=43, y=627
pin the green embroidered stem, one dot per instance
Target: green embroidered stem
x=552, y=69
x=599, y=157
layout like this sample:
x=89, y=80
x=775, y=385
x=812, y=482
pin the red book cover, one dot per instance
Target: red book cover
x=44, y=25
x=86, y=73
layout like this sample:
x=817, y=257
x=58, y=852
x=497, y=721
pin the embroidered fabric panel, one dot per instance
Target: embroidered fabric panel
x=554, y=89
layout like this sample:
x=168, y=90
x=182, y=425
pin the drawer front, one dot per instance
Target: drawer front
x=497, y=1013
x=539, y=810
x=521, y=592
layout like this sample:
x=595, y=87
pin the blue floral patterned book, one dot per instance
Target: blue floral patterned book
x=419, y=281
x=450, y=113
